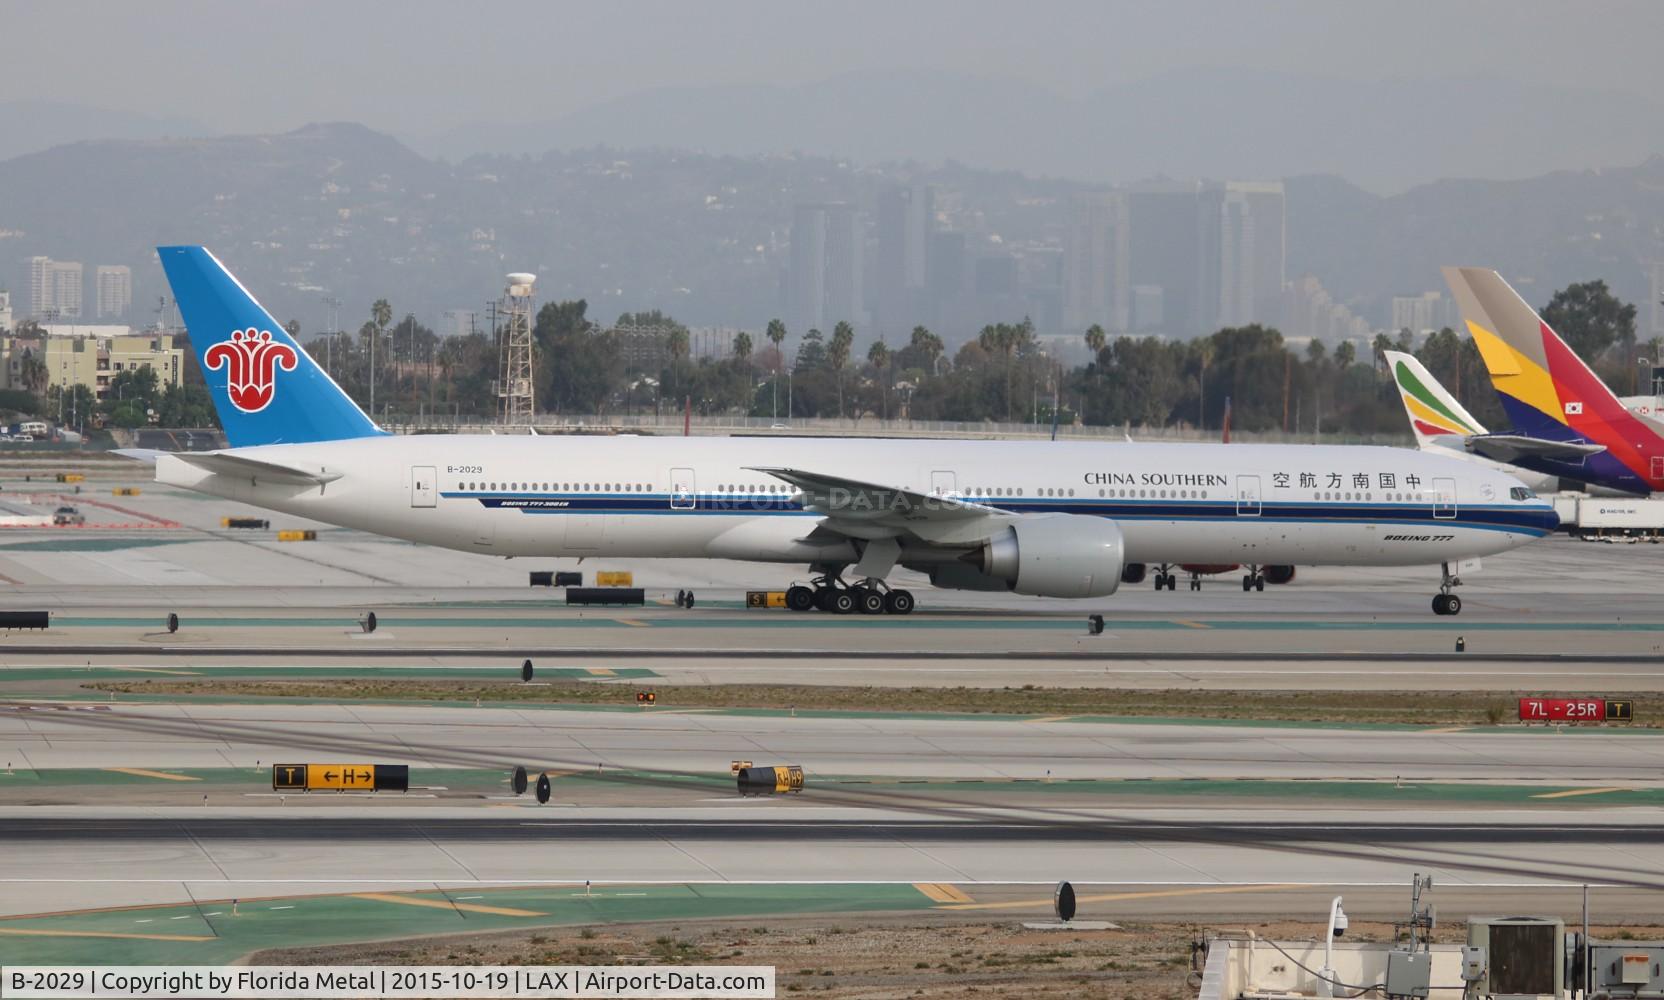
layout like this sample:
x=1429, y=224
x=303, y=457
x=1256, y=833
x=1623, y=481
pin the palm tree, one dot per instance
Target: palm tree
x=927, y=342
x=776, y=335
x=878, y=355
x=381, y=314
x=677, y=343
x=1382, y=345
x=1095, y=340
x=837, y=352
x=742, y=346
x=33, y=372
x=1346, y=353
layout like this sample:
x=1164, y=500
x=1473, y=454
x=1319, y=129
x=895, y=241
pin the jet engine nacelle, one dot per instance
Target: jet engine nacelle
x=1057, y=555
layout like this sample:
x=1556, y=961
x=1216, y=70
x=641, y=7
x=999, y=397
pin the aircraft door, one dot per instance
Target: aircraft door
x=1657, y=468
x=424, y=490
x=943, y=482
x=1444, y=498
x=1248, y=496
x=683, y=489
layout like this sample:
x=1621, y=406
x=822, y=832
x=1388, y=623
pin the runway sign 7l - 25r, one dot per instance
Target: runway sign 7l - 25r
x=1574, y=710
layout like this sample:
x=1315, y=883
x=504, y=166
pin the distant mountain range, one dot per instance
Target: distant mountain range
x=1385, y=136
x=339, y=209
x=32, y=126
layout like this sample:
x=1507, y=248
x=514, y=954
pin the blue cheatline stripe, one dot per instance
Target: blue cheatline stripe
x=1487, y=517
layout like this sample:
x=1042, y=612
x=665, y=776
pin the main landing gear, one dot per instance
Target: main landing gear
x=1165, y=578
x=1253, y=580
x=1444, y=602
x=832, y=594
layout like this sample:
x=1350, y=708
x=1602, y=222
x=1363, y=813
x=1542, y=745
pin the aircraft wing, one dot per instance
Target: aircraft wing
x=862, y=509
x=1509, y=447
x=242, y=467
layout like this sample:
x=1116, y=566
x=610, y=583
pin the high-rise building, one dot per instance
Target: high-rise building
x=1164, y=257
x=67, y=293
x=1095, y=264
x=824, y=285
x=115, y=290
x=1656, y=326
x=1429, y=311
x=54, y=288
x=5, y=311
x=906, y=221
x=1245, y=252
x=40, y=286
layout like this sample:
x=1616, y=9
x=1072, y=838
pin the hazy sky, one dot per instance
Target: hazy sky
x=424, y=66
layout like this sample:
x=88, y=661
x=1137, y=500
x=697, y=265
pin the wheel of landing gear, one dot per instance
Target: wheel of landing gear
x=869, y=601
x=840, y=602
x=1172, y=581
x=800, y=598
x=823, y=595
x=1161, y=580
x=1452, y=604
x=1259, y=583
x=898, y=602
x=1196, y=584
x=681, y=597
x=1247, y=584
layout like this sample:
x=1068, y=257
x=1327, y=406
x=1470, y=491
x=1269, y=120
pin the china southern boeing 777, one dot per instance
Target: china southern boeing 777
x=1047, y=519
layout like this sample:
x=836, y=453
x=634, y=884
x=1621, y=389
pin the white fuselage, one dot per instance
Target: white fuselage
x=695, y=498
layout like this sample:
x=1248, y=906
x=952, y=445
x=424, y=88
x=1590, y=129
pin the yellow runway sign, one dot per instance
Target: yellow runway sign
x=340, y=777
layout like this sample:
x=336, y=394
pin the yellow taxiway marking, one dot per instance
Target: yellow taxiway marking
x=142, y=773
x=441, y=904
x=1202, y=890
x=941, y=892
x=1187, y=623
x=164, y=670
x=1051, y=718
x=633, y=622
x=1574, y=792
x=29, y=932
x=601, y=672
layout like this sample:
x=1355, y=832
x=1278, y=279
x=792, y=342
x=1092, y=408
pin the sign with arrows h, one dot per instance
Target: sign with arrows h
x=340, y=777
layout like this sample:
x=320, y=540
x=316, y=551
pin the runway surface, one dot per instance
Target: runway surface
x=151, y=803
x=347, y=850
x=705, y=742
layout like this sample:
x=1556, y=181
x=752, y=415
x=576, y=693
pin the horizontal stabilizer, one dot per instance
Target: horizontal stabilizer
x=242, y=467
x=1511, y=447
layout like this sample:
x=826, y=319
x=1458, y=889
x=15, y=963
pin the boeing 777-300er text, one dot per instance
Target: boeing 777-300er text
x=1564, y=421
x=1053, y=519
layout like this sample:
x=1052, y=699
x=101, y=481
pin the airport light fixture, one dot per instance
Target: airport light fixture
x=1337, y=926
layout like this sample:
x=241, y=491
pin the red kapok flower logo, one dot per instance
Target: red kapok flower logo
x=251, y=359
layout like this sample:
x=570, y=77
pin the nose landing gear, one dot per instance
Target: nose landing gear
x=1444, y=602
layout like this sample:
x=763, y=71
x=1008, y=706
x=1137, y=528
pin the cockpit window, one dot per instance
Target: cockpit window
x=1521, y=493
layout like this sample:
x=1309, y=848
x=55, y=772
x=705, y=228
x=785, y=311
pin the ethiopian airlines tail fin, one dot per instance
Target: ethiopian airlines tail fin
x=1436, y=418
x=265, y=387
